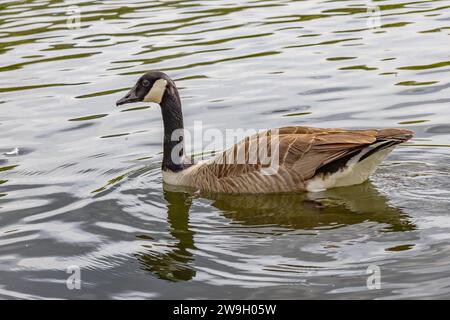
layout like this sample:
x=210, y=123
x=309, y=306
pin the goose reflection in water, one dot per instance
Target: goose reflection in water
x=331, y=209
x=176, y=265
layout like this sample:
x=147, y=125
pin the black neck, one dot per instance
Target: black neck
x=173, y=130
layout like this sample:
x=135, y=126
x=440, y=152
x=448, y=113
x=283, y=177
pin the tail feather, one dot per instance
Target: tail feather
x=387, y=138
x=400, y=135
x=350, y=168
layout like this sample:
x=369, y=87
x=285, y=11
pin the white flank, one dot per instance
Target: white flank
x=156, y=93
x=354, y=173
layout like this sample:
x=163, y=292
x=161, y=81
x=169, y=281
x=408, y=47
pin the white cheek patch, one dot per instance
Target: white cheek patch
x=156, y=93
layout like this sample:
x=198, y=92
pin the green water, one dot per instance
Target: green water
x=80, y=181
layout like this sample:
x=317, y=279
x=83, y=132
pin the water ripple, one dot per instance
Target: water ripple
x=85, y=189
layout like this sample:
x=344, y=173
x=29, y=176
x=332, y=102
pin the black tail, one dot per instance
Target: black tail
x=387, y=138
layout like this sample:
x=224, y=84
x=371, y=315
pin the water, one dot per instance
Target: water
x=80, y=183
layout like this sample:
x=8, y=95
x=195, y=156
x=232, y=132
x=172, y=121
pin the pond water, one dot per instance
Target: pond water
x=80, y=180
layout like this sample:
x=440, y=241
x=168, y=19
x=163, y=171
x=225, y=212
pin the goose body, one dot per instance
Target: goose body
x=297, y=158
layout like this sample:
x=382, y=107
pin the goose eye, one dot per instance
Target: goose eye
x=145, y=83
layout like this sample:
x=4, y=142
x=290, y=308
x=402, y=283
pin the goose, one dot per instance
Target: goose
x=307, y=159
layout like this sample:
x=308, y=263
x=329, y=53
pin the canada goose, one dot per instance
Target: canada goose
x=307, y=159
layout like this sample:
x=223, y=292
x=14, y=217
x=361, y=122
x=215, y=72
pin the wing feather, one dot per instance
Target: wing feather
x=301, y=151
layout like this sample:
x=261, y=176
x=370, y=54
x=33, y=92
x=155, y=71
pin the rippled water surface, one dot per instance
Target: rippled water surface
x=80, y=181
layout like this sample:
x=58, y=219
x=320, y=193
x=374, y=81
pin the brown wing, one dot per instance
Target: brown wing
x=299, y=149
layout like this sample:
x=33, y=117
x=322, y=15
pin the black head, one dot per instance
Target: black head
x=149, y=88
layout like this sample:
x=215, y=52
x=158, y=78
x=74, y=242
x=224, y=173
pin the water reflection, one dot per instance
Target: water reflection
x=176, y=264
x=331, y=209
x=313, y=211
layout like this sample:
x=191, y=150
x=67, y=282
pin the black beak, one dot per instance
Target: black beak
x=130, y=97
